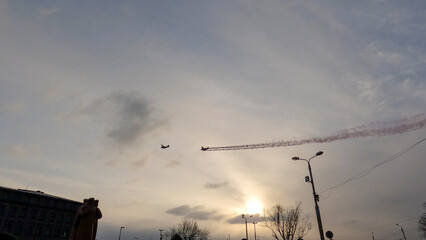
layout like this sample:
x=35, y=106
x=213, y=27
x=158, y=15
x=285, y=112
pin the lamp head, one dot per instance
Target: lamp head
x=295, y=158
x=319, y=153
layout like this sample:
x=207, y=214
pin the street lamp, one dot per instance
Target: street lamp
x=161, y=233
x=316, y=197
x=254, y=225
x=119, y=236
x=402, y=230
x=245, y=219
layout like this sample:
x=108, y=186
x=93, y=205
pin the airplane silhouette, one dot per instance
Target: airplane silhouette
x=164, y=146
x=204, y=148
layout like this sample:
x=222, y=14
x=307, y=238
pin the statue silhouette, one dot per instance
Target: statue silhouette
x=86, y=221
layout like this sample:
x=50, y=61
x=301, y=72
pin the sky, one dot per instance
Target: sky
x=89, y=90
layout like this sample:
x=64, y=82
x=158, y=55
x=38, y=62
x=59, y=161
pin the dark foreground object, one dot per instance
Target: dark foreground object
x=86, y=221
x=7, y=236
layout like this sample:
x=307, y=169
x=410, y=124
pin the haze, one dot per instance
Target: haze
x=89, y=90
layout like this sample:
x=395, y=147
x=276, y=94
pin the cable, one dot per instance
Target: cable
x=366, y=172
x=398, y=233
x=371, y=229
x=390, y=235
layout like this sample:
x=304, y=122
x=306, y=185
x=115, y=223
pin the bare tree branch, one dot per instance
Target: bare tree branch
x=422, y=222
x=188, y=230
x=286, y=223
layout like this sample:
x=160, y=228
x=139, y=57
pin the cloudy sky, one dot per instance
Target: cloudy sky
x=90, y=89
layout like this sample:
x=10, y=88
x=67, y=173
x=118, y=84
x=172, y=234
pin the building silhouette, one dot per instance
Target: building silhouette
x=35, y=215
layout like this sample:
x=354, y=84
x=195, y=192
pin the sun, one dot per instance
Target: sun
x=254, y=206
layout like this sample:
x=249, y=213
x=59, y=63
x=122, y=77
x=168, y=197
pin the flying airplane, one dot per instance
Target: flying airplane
x=204, y=148
x=164, y=146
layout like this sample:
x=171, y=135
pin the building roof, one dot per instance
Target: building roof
x=38, y=192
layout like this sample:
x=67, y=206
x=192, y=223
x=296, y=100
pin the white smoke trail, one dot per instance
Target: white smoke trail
x=376, y=129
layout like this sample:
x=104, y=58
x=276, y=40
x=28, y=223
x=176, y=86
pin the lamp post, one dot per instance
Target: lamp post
x=316, y=197
x=119, y=236
x=245, y=219
x=402, y=230
x=254, y=225
x=161, y=233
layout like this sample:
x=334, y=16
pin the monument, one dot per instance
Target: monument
x=86, y=221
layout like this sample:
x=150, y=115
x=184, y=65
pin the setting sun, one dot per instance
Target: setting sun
x=254, y=206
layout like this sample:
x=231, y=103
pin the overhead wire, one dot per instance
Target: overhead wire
x=366, y=172
x=397, y=233
x=369, y=170
x=379, y=227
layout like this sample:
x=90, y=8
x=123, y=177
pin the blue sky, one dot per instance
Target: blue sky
x=89, y=91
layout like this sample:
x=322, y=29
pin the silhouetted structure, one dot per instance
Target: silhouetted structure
x=86, y=221
x=7, y=236
x=176, y=237
x=287, y=223
x=35, y=215
x=245, y=220
x=188, y=230
x=316, y=196
x=422, y=222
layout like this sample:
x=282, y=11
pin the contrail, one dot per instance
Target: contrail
x=375, y=129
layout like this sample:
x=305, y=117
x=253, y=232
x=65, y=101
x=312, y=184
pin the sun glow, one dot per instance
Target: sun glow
x=254, y=206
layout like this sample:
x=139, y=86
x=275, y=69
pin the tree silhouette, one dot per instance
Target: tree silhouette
x=188, y=230
x=287, y=223
x=422, y=222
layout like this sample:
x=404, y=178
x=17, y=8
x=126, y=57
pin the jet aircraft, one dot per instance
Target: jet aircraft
x=164, y=146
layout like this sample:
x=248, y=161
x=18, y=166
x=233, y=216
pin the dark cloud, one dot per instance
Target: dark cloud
x=127, y=116
x=180, y=211
x=204, y=215
x=196, y=213
x=132, y=117
x=216, y=185
x=238, y=219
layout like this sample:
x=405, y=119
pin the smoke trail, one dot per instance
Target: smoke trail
x=376, y=129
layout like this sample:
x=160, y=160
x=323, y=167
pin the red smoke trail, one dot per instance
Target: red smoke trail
x=376, y=129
